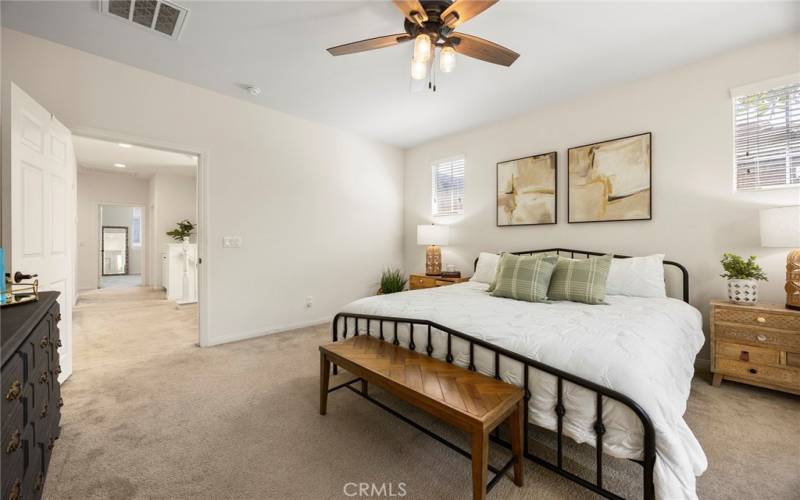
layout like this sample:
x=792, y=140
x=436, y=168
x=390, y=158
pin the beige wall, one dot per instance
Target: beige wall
x=696, y=213
x=319, y=210
x=95, y=189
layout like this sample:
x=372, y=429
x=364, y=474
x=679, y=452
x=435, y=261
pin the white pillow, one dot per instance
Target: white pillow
x=637, y=277
x=486, y=268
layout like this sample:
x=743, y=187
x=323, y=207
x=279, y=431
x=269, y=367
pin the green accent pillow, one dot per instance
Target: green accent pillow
x=580, y=280
x=493, y=284
x=524, y=277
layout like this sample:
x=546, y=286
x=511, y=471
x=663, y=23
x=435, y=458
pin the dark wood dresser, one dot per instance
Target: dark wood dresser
x=31, y=396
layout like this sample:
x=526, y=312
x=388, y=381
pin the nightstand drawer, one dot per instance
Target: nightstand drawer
x=768, y=374
x=758, y=318
x=422, y=282
x=747, y=353
x=758, y=336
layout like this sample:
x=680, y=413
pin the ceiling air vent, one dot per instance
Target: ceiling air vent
x=165, y=18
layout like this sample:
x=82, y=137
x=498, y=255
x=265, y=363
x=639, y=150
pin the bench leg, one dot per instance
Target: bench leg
x=324, y=379
x=516, y=424
x=480, y=464
x=716, y=380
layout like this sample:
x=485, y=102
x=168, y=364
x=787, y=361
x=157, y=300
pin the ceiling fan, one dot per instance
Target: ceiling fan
x=431, y=24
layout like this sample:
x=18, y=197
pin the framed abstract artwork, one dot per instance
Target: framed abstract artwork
x=527, y=190
x=610, y=180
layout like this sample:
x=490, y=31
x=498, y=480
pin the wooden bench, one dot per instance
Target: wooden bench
x=465, y=399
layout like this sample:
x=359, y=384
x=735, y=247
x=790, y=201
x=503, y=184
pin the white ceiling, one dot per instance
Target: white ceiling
x=566, y=48
x=97, y=155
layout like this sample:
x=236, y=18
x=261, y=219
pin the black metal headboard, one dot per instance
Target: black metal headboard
x=587, y=254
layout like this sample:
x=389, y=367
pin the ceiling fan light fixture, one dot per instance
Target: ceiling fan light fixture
x=419, y=69
x=447, y=60
x=422, y=48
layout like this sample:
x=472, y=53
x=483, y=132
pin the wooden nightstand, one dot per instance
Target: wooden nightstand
x=758, y=345
x=417, y=281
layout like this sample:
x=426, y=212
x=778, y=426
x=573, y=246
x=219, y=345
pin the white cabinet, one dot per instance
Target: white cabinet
x=179, y=271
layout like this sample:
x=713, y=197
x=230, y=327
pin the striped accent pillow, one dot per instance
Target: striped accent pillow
x=524, y=277
x=580, y=280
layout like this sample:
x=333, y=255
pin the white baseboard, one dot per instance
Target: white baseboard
x=267, y=331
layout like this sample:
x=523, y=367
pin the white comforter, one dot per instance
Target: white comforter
x=643, y=348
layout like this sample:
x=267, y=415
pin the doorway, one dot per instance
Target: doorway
x=131, y=194
x=121, y=245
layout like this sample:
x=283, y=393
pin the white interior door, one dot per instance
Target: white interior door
x=42, y=175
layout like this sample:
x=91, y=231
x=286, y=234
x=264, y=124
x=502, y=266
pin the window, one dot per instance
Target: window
x=448, y=187
x=767, y=135
x=136, y=227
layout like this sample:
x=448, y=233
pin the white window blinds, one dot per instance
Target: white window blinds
x=767, y=138
x=448, y=187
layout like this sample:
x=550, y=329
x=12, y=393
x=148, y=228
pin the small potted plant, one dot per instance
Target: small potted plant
x=182, y=232
x=743, y=277
x=392, y=281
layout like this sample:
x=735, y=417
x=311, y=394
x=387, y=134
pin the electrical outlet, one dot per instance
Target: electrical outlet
x=231, y=242
x=309, y=301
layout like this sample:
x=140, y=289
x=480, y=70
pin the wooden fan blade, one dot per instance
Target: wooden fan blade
x=484, y=50
x=462, y=11
x=413, y=10
x=369, y=44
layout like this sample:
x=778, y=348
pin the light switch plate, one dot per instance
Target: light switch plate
x=231, y=242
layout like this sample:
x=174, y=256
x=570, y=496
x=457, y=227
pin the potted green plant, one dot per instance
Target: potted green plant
x=392, y=281
x=182, y=232
x=743, y=277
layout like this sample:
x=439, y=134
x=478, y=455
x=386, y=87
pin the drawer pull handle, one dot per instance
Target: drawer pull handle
x=43, y=378
x=51, y=443
x=58, y=370
x=58, y=343
x=761, y=319
x=13, y=493
x=753, y=371
x=43, y=413
x=60, y=402
x=13, y=444
x=58, y=318
x=44, y=343
x=744, y=356
x=761, y=337
x=39, y=482
x=14, y=391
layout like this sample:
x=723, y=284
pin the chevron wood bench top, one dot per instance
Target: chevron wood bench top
x=464, y=398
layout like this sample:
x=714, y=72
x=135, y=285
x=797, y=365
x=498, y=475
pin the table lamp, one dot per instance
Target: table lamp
x=434, y=236
x=780, y=227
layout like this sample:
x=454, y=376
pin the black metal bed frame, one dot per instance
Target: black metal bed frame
x=649, y=452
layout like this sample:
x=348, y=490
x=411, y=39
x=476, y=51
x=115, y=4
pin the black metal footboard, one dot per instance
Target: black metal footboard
x=350, y=322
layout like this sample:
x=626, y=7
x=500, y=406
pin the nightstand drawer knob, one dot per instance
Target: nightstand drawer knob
x=761, y=338
x=761, y=319
x=753, y=371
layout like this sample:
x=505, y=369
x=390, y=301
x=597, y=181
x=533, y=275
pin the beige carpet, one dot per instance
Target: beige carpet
x=150, y=415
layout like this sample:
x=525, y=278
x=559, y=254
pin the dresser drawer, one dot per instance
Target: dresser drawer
x=748, y=353
x=793, y=359
x=758, y=336
x=15, y=459
x=758, y=373
x=758, y=318
x=14, y=388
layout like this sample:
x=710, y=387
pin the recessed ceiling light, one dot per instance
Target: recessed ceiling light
x=254, y=91
x=119, y=165
x=124, y=145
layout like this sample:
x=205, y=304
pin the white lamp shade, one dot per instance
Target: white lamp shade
x=431, y=234
x=780, y=227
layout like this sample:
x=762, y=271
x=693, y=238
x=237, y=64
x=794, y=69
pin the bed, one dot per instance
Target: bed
x=615, y=376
